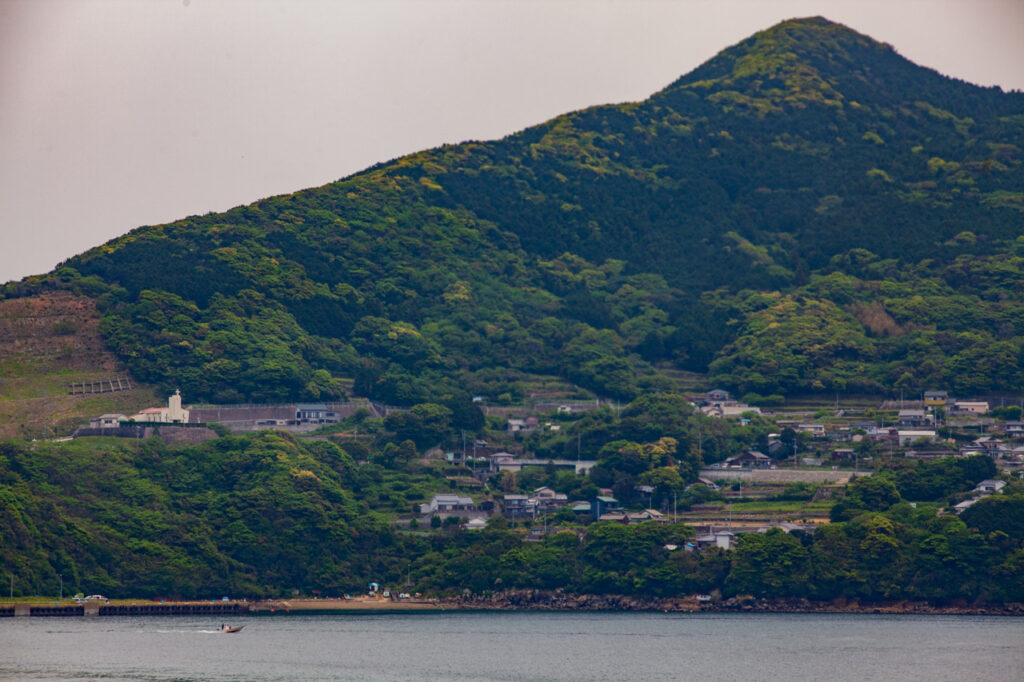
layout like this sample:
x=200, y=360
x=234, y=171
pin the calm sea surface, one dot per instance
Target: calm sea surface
x=517, y=646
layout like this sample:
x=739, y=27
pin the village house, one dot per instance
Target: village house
x=986, y=445
x=815, y=429
x=1014, y=429
x=107, y=421
x=961, y=506
x=547, y=499
x=645, y=515
x=542, y=500
x=987, y=487
x=633, y=517
x=444, y=503
x=718, y=395
x=748, y=459
x=990, y=485
x=515, y=506
x=914, y=418
x=604, y=504
x=524, y=426
x=970, y=407
x=722, y=539
x=883, y=433
x=936, y=398
x=707, y=482
x=844, y=454
x=502, y=461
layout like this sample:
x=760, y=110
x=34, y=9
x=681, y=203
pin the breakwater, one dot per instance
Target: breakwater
x=98, y=609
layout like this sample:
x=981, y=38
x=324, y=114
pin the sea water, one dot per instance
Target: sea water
x=515, y=646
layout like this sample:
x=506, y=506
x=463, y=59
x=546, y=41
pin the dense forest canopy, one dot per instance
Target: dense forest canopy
x=807, y=211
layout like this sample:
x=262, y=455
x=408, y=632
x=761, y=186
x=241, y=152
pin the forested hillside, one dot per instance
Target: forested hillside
x=263, y=515
x=807, y=211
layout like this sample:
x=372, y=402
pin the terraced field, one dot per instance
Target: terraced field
x=47, y=343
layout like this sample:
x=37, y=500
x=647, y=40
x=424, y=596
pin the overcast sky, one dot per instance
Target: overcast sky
x=121, y=113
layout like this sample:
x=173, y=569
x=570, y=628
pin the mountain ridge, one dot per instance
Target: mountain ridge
x=784, y=184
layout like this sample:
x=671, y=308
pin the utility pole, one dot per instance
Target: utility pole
x=61, y=576
x=700, y=455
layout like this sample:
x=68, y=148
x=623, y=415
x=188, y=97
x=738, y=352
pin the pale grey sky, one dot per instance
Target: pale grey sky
x=120, y=113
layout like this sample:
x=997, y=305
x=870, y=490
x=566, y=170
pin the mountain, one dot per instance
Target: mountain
x=807, y=211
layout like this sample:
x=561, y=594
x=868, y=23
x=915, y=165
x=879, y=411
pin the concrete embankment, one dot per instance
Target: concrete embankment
x=125, y=609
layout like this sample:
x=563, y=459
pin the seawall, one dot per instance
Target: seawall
x=103, y=609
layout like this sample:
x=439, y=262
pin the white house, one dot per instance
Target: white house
x=990, y=485
x=445, y=503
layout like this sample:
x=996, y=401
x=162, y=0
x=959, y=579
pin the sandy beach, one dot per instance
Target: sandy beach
x=362, y=603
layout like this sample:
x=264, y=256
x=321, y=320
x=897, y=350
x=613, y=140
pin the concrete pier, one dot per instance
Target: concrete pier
x=95, y=608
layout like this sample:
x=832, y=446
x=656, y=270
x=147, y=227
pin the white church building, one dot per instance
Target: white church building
x=172, y=414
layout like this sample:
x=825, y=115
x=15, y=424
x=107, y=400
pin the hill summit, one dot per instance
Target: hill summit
x=804, y=59
x=807, y=211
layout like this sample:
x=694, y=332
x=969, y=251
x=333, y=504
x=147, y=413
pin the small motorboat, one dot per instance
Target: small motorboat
x=231, y=628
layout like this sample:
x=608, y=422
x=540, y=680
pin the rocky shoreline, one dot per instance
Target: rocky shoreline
x=541, y=600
